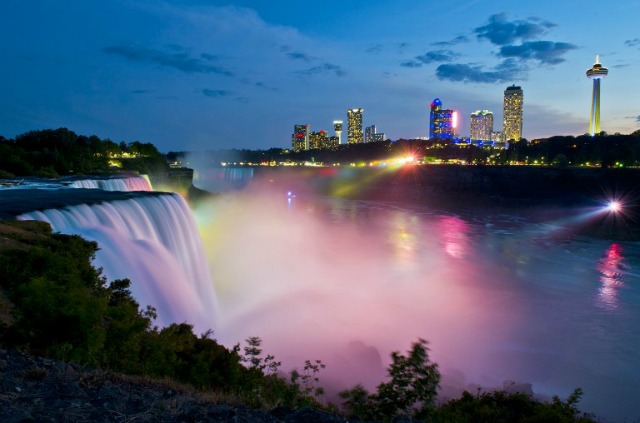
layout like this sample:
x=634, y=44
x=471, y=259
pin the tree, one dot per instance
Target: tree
x=411, y=390
x=414, y=383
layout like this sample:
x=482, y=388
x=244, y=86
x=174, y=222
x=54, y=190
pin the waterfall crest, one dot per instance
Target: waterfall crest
x=133, y=183
x=153, y=241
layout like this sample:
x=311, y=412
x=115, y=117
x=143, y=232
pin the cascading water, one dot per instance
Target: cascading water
x=134, y=183
x=153, y=241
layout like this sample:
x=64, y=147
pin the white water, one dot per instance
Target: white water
x=154, y=242
x=134, y=183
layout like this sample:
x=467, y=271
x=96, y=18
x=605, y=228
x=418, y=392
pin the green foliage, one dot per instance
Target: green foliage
x=500, y=406
x=411, y=389
x=413, y=386
x=63, y=308
x=266, y=386
x=306, y=383
x=6, y=175
x=358, y=403
x=50, y=153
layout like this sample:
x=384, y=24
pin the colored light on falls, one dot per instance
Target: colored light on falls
x=154, y=242
x=350, y=281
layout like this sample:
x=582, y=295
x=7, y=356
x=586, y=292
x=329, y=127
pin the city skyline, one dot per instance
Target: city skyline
x=198, y=74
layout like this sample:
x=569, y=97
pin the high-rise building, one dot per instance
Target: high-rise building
x=597, y=72
x=512, y=113
x=332, y=143
x=369, y=132
x=337, y=126
x=318, y=140
x=481, y=125
x=300, y=138
x=354, y=126
x=442, y=122
x=498, y=137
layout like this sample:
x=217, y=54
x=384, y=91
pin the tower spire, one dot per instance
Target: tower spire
x=597, y=72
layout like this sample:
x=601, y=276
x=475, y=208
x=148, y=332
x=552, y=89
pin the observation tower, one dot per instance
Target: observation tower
x=337, y=126
x=597, y=72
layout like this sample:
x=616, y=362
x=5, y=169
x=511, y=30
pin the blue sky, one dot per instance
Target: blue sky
x=198, y=74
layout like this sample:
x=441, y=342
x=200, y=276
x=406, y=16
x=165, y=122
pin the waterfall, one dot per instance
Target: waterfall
x=153, y=241
x=133, y=183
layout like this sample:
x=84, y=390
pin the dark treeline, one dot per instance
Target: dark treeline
x=52, y=153
x=601, y=150
x=60, y=152
x=54, y=303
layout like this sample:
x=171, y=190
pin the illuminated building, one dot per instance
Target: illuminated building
x=512, y=113
x=498, y=136
x=354, y=126
x=481, y=125
x=300, y=138
x=318, y=140
x=369, y=132
x=337, y=126
x=372, y=135
x=332, y=143
x=442, y=122
x=597, y=72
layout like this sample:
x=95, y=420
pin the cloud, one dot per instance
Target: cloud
x=180, y=60
x=325, y=68
x=620, y=66
x=508, y=70
x=402, y=46
x=501, y=32
x=431, y=57
x=438, y=56
x=459, y=39
x=632, y=43
x=264, y=86
x=216, y=93
x=374, y=49
x=296, y=55
x=209, y=57
x=548, y=52
x=411, y=64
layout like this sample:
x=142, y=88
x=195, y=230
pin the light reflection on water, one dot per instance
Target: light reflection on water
x=611, y=268
x=498, y=297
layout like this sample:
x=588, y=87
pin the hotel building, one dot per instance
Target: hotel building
x=512, y=113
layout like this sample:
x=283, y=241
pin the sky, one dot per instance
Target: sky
x=207, y=74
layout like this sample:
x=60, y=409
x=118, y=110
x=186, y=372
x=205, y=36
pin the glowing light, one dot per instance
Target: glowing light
x=454, y=119
x=614, y=206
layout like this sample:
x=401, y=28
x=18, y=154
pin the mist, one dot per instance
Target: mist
x=318, y=280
